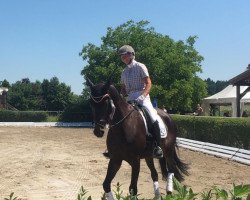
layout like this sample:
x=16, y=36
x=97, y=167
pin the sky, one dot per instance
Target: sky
x=40, y=39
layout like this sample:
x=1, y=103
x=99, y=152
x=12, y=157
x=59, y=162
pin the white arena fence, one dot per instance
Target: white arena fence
x=231, y=153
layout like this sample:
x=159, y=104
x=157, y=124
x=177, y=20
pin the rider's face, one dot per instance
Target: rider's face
x=126, y=58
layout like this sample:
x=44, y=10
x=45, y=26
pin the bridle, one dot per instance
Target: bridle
x=113, y=109
x=100, y=97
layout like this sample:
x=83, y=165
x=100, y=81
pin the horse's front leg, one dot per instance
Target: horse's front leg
x=113, y=167
x=154, y=176
x=135, y=164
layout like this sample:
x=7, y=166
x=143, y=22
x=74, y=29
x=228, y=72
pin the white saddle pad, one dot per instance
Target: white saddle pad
x=163, y=127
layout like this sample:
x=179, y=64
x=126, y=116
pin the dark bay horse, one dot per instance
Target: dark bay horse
x=126, y=139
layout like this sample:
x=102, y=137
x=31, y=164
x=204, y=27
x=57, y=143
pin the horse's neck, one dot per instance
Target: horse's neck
x=121, y=105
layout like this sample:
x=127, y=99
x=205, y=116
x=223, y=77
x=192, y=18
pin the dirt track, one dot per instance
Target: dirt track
x=42, y=163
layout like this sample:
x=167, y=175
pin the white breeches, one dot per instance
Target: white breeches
x=145, y=103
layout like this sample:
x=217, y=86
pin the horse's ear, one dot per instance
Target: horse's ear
x=89, y=82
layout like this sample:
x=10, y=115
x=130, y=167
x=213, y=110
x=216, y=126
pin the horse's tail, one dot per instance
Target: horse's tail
x=173, y=164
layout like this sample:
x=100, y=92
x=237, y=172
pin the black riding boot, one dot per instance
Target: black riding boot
x=157, y=152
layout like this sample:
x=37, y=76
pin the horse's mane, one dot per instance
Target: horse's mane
x=115, y=95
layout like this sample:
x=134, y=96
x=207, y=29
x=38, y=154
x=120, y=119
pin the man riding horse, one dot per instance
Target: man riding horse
x=136, y=83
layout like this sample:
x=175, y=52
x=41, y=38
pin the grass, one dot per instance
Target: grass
x=52, y=118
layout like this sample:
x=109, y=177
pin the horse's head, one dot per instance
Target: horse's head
x=100, y=103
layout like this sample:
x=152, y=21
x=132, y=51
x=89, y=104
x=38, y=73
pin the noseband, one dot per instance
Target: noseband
x=95, y=99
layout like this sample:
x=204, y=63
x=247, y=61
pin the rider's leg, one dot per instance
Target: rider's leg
x=156, y=129
x=157, y=134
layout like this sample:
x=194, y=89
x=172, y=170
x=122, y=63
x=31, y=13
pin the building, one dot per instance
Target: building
x=3, y=97
x=236, y=94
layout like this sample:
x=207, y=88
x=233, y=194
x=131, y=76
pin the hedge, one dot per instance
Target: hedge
x=78, y=111
x=234, y=132
x=22, y=116
x=76, y=117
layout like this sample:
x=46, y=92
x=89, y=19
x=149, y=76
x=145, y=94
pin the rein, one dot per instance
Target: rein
x=111, y=126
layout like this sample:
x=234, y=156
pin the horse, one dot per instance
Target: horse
x=127, y=139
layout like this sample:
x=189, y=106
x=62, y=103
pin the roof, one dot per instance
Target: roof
x=228, y=95
x=242, y=79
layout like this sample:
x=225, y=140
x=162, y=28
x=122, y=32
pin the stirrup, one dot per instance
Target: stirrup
x=157, y=152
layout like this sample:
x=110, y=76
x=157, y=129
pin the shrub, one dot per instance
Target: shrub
x=22, y=116
x=232, y=132
x=78, y=111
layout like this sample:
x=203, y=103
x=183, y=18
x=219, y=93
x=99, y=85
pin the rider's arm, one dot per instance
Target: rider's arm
x=148, y=84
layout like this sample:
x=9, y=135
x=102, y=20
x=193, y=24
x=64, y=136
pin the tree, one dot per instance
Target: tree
x=215, y=87
x=199, y=92
x=172, y=64
x=55, y=94
x=49, y=95
x=220, y=85
x=4, y=83
x=25, y=95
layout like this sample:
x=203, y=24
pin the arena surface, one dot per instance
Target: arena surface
x=49, y=163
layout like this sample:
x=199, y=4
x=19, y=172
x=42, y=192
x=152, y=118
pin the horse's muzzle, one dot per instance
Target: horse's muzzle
x=99, y=130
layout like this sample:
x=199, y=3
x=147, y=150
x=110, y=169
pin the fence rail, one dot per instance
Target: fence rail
x=231, y=153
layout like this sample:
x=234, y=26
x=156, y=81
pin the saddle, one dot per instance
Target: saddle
x=147, y=117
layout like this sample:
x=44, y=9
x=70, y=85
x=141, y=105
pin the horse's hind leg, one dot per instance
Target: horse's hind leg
x=113, y=167
x=135, y=164
x=169, y=184
x=176, y=168
x=170, y=167
x=154, y=176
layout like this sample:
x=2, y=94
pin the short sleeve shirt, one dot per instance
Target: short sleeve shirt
x=132, y=76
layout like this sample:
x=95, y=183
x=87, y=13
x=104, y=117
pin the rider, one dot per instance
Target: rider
x=136, y=83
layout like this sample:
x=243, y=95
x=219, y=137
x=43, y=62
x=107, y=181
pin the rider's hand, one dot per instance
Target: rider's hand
x=140, y=98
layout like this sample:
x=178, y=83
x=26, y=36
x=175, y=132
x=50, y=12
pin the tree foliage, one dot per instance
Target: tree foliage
x=55, y=94
x=4, y=83
x=49, y=95
x=214, y=87
x=25, y=95
x=172, y=64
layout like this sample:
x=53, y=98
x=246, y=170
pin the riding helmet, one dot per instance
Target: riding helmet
x=126, y=49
